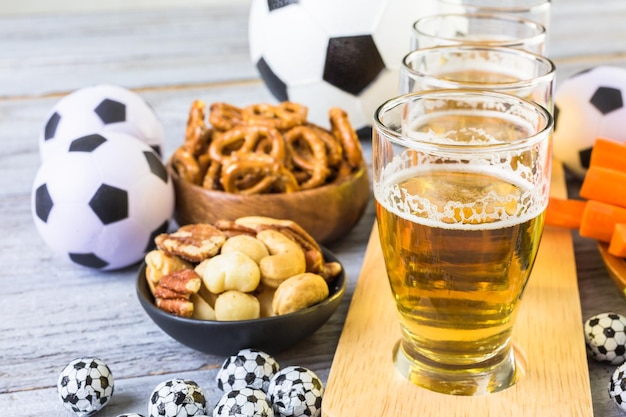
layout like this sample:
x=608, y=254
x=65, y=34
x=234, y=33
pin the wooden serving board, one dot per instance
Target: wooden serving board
x=549, y=332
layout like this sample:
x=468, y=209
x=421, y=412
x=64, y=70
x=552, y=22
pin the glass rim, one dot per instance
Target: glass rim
x=546, y=63
x=539, y=31
x=493, y=7
x=396, y=137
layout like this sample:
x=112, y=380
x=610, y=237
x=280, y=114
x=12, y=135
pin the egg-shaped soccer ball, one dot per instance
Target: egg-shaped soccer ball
x=325, y=53
x=102, y=202
x=588, y=105
x=99, y=108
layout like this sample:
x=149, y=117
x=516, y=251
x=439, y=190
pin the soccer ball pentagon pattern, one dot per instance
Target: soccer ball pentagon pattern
x=605, y=338
x=102, y=202
x=325, y=53
x=99, y=108
x=85, y=385
x=244, y=402
x=248, y=368
x=296, y=391
x=617, y=387
x=588, y=105
x=177, y=398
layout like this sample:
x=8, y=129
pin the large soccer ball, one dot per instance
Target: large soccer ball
x=99, y=108
x=588, y=105
x=102, y=202
x=325, y=53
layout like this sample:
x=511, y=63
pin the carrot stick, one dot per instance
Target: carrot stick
x=608, y=153
x=599, y=220
x=617, y=245
x=565, y=212
x=605, y=184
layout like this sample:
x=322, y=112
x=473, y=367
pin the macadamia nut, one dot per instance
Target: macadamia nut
x=229, y=271
x=236, y=305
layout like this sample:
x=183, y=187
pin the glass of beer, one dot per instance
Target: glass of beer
x=461, y=182
x=499, y=69
x=535, y=10
x=486, y=29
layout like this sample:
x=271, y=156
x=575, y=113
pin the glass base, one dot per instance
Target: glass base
x=479, y=379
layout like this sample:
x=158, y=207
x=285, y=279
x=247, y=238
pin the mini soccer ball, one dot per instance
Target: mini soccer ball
x=177, y=398
x=103, y=201
x=248, y=368
x=605, y=338
x=296, y=391
x=617, y=386
x=244, y=402
x=99, y=108
x=588, y=105
x=85, y=385
x=130, y=415
x=325, y=53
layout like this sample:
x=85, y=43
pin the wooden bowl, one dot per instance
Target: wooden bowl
x=327, y=212
x=616, y=267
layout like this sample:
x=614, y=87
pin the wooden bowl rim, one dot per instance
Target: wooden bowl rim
x=614, y=265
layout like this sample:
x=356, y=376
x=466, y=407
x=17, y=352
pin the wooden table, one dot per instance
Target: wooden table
x=53, y=311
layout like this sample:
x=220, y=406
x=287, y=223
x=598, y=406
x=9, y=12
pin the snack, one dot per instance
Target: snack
x=264, y=148
x=296, y=391
x=244, y=402
x=247, y=368
x=177, y=398
x=85, y=385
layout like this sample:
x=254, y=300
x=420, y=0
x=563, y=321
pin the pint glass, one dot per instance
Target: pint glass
x=461, y=182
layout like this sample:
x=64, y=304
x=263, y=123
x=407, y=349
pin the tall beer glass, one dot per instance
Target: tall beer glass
x=461, y=181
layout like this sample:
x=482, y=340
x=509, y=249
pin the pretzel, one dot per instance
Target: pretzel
x=225, y=116
x=186, y=165
x=308, y=152
x=255, y=174
x=245, y=140
x=345, y=133
x=334, y=150
x=196, y=133
x=284, y=116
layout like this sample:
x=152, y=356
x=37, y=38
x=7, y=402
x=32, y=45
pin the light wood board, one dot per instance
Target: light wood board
x=363, y=381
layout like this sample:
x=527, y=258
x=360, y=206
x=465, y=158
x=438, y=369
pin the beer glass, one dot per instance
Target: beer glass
x=484, y=29
x=461, y=182
x=535, y=10
x=504, y=70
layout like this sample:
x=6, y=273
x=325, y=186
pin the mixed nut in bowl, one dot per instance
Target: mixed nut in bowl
x=268, y=160
x=255, y=282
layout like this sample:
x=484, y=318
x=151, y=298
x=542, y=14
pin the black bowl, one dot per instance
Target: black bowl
x=225, y=338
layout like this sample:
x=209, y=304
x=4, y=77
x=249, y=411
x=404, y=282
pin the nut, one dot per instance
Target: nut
x=299, y=292
x=177, y=306
x=202, y=310
x=236, y=305
x=248, y=245
x=159, y=263
x=173, y=291
x=286, y=258
x=193, y=242
x=229, y=271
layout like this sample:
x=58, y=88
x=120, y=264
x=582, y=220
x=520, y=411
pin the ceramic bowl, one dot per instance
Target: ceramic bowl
x=327, y=212
x=225, y=338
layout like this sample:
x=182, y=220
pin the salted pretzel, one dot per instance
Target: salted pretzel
x=186, y=165
x=345, y=133
x=308, y=153
x=248, y=139
x=283, y=116
x=197, y=132
x=334, y=149
x=224, y=116
x=256, y=174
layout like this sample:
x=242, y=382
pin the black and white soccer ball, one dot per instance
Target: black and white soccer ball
x=85, y=385
x=244, y=402
x=99, y=108
x=325, y=53
x=605, y=338
x=177, y=398
x=248, y=368
x=617, y=386
x=102, y=202
x=130, y=415
x=296, y=391
x=588, y=105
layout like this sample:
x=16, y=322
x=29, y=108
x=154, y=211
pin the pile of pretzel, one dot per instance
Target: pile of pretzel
x=265, y=148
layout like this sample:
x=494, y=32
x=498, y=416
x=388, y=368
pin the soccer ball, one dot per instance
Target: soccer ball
x=605, y=338
x=617, y=387
x=177, y=398
x=244, y=402
x=326, y=53
x=588, y=105
x=99, y=108
x=102, y=202
x=296, y=391
x=248, y=368
x=85, y=385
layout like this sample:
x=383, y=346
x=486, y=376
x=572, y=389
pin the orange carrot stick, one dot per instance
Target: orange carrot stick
x=608, y=153
x=605, y=184
x=564, y=212
x=617, y=245
x=599, y=220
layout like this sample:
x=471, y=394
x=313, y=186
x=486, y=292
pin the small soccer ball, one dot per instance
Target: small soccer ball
x=99, y=108
x=177, y=398
x=296, y=391
x=588, y=105
x=248, y=368
x=130, y=415
x=244, y=402
x=102, y=202
x=325, y=53
x=617, y=386
x=605, y=338
x=85, y=385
